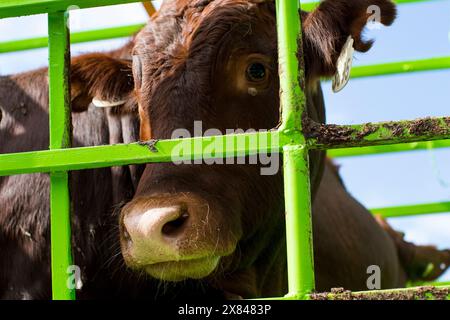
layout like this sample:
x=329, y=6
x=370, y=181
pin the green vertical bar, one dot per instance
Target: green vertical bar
x=298, y=221
x=60, y=137
x=295, y=154
x=293, y=99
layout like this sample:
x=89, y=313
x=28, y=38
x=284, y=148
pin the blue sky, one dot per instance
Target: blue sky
x=421, y=31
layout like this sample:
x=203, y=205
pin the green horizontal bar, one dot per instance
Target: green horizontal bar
x=384, y=69
x=320, y=137
x=76, y=37
x=324, y=137
x=417, y=293
x=441, y=284
x=410, y=284
x=16, y=8
x=402, y=147
x=374, y=294
x=124, y=154
x=312, y=5
x=413, y=210
x=414, y=1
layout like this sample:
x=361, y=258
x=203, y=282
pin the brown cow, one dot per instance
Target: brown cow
x=24, y=199
x=221, y=224
x=216, y=61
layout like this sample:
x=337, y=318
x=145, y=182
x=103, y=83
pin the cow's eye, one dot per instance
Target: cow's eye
x=137, y=71
x=256, y=72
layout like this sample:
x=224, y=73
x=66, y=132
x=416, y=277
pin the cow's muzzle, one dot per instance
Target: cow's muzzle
x=174, y=237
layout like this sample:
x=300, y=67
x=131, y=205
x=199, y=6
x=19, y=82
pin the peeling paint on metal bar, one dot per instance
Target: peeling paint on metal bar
x=418, y=293
x=331, y=136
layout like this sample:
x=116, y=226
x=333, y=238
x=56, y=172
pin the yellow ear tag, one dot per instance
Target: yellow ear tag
x=344, y=66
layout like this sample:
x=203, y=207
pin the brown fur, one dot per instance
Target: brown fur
x=327, y=28
x=24, y=199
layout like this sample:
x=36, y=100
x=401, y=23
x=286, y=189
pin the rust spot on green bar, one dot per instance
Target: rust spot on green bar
x=427, y=126
x=150, y=144
x=327, y=134
x=395, y=128
x=367, y=129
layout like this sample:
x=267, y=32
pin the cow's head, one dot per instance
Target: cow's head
x=216, y=62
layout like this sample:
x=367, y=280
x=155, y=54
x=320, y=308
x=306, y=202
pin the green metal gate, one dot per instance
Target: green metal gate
x=289, y=139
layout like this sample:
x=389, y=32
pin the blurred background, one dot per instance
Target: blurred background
x=421, y=31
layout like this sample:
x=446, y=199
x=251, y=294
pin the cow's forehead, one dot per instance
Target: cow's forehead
x=177, y=20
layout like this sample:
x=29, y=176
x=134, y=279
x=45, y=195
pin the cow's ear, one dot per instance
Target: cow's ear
x=327, y=28
x=101, y=79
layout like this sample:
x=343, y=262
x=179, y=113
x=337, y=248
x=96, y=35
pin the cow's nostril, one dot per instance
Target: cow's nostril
x=174, y=227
